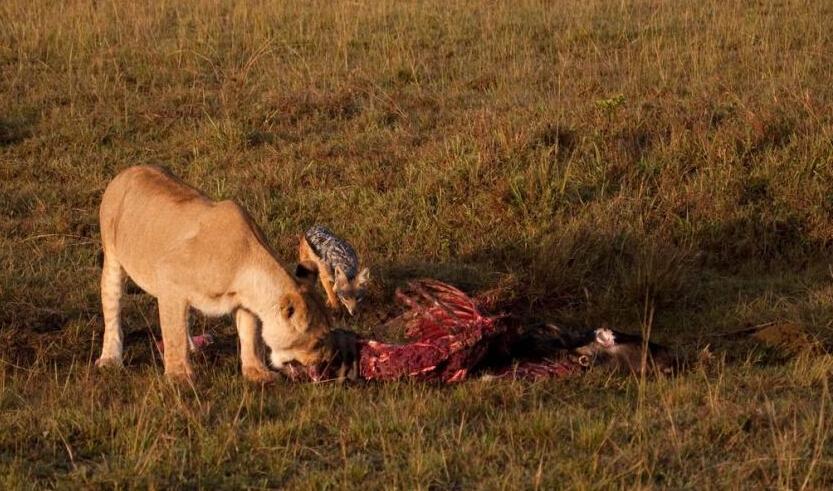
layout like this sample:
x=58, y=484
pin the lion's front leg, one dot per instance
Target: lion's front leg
x=173, y=319
x=251, y=349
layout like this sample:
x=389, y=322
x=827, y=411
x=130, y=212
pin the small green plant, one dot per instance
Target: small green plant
x=608, y=107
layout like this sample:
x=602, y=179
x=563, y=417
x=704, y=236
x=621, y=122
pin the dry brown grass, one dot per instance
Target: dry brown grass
x=595, y=156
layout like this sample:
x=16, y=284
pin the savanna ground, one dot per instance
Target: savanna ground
x=645, y=164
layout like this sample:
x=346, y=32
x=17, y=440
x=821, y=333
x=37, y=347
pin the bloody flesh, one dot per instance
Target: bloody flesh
x=446, y=333
x=447, y=338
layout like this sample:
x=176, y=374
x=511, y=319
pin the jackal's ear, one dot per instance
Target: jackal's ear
x=306, y=273
x=341, y=280
x=363, y=278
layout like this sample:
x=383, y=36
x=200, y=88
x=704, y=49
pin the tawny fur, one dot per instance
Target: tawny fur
x=191, y=252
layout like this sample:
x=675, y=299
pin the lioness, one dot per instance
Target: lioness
x=189, y=251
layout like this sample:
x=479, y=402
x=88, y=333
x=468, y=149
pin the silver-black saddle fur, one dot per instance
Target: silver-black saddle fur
x=333, y=250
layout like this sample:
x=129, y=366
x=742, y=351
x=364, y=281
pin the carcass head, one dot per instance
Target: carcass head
x=621, y=351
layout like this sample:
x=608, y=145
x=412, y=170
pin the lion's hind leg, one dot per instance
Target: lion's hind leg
x=112, y=288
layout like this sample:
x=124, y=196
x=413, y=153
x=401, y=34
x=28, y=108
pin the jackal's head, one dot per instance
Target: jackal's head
x=351, y=293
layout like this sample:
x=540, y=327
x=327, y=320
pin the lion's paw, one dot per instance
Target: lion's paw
x=259, y=375
x=109, y=362
x=180, y=376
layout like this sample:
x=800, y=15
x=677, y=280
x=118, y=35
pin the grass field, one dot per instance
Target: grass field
x=639, y=163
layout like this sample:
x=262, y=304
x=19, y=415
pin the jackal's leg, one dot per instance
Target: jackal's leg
x=112, y=288
x=327, y=282
x=173, y=319
x=251, y=356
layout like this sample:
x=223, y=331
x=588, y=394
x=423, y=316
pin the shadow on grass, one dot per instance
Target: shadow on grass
x=15, y=129
x=578, y=278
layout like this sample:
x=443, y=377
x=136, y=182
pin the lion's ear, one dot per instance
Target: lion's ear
x=287, y=307
x=293, y=309
x=306, y=273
